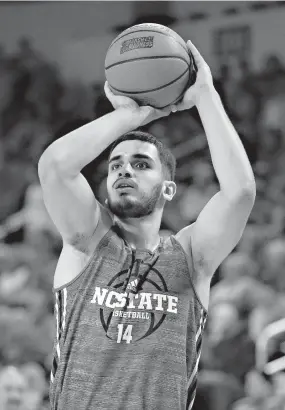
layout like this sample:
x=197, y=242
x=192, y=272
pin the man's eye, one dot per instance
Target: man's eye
x=115, y=166
x=141, y=165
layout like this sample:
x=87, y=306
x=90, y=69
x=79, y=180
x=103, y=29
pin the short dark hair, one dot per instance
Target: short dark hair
x=165, y=155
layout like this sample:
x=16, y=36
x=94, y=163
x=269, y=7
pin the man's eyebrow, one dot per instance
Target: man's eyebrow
x=115, y=158
x=143, y=156
x=136, y=156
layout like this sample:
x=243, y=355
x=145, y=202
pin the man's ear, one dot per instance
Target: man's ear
x=169, y=190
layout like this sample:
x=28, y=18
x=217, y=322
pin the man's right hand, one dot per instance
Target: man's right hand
x=146, y=113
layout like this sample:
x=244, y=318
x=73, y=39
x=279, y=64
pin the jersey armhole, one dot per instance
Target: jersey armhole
x=191, y=269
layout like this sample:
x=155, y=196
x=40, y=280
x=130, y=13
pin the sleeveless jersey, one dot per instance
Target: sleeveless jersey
x=128, y=331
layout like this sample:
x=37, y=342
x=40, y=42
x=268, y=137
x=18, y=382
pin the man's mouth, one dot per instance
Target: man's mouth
x=124, y=186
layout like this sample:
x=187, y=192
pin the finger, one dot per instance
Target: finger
x=165, y=111
x=106, y=86
x=181, y=106
x=107, y=90
x=162, y=112
x=174, y=108
x=196, y=54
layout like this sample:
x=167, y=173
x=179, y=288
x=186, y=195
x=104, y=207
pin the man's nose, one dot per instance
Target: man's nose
x=126, y=171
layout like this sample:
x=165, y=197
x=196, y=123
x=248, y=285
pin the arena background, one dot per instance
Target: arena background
x=51, y=81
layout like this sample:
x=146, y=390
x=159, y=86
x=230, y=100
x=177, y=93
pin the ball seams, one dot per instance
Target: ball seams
x=146, y=58
x=153, y=89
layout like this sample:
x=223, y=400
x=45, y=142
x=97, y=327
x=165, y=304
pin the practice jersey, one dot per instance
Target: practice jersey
x=128, y=330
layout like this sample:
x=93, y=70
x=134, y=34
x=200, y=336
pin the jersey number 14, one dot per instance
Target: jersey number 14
x=124, y=335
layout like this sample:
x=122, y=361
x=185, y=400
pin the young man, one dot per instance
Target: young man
x=131, y=307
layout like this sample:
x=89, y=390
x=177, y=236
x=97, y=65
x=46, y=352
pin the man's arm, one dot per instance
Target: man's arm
x=67, y=195
x=221, y=223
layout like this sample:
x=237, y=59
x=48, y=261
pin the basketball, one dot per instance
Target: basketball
x=151, y=64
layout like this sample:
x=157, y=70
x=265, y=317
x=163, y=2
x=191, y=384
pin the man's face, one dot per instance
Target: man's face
x=13, y=388
x=137, y=164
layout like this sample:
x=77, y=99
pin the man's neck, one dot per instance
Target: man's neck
x=140, y=233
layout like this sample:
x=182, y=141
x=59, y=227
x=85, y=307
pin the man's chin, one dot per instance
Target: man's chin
x=122, y=204
x=126, y=200
x=127, y=208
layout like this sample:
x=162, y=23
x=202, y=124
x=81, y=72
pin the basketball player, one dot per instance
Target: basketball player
x=130, y=306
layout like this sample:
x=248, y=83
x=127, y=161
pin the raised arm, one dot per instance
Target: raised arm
x=67, y=195
x=221, y=223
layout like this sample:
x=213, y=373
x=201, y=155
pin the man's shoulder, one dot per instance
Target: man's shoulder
x=184, y=237
x=87, y=244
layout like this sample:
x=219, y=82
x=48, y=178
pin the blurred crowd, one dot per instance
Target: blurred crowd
x=37, y=106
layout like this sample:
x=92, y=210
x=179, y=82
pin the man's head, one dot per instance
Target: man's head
x=273, y=258
x=13, y=388
x=141, y=161
x=223, y=321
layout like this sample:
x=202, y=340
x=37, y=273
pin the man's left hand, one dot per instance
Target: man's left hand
x=202, y=85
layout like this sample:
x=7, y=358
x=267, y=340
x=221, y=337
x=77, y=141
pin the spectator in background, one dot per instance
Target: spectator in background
x=273, y=113
x=270, y=149
x=22, y=339
x=37, y=386
x=6, y=80
x=22, y=387
x=273, y=69
x=261, y=394
x=229, y=348
x=28, y=137
x=13, y=388
x=239, y=285
x=26, y=54
x=219, y=390
x=252, y=240
x=14, y=179
x=22, y=63
x=33, y=216
x=265, y=314
x=223, y=321
x=36, y=86
x=273, y=264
